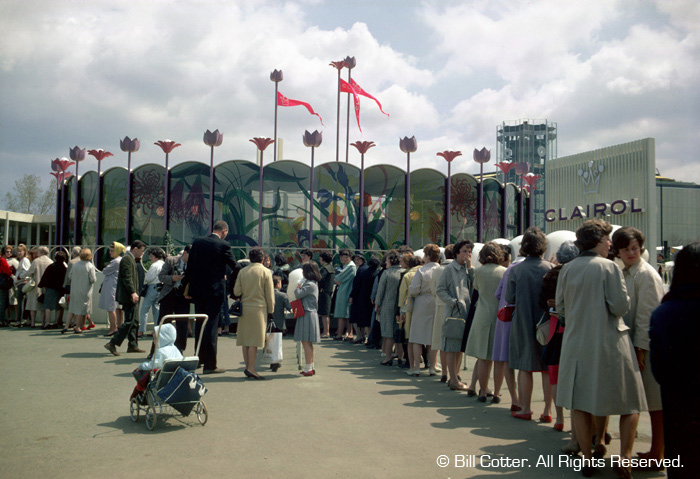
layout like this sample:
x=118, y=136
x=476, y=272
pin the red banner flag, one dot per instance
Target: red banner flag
x=358, y=89
x=284, y=101
x=346, y=88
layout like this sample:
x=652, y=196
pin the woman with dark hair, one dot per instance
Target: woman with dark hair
x=481, y=334
x=421, y=332
x=344, y=281
x=598, y=371
x=385, y=303
x=52, y=284
x=254, y=287
x=675, y=328
x=567, y=252
x=307, y=330
x=325, y=291
x=524, y=285
x=645, y=290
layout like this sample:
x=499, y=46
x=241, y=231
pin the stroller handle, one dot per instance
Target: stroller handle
x=181, y=317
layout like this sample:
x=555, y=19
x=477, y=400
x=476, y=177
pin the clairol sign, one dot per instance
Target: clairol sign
x=590, y=177
x=618, y=207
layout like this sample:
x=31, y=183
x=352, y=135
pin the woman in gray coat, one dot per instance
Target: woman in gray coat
x=524, y=286
x=386, y=303
x=108, y=289
x=307, y=330
x=82, y=277
x=598, y=371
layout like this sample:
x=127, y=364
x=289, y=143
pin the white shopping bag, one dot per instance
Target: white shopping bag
x=273, y=348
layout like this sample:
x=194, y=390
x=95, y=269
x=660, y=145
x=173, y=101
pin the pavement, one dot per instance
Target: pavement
x=64, y=413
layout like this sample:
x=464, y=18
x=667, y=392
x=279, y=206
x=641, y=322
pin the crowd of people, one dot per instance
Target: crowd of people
x=609, y=347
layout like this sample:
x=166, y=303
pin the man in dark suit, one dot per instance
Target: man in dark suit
x=206, y=283
x=171, y=298
x=127, y=296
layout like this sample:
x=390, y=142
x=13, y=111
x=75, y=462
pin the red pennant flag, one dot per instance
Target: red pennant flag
x=360, y=91
x=284, y=101
x=346, y=88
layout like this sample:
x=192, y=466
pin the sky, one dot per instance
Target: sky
x=88, y=73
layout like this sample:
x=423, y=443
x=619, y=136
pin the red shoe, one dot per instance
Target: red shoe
x=84, y=328
x=91, y=326
x=559, y=427
x=308, y=373
x=546, y=419
x=524, y=417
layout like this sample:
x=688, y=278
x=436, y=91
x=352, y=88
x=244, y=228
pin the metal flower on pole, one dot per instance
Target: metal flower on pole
x=408, y=146
x=350, y=63
x=362, y=147
x=276, y=76
x=99, y=155
x=481, y=156
x=448, y=156
x=77, y=155
x=338, y=66
x=213, y=139
x=60, y=167
x=130, y=146
x=167, y=146
x=313, y=141
x=261, y=144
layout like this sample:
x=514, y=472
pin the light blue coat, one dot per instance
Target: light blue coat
x=344, y=280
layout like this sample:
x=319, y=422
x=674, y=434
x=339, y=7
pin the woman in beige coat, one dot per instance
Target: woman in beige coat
x=254, y=287
x=36, y=271
x=598, y=371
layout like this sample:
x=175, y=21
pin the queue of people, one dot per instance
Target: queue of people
x=614, y=342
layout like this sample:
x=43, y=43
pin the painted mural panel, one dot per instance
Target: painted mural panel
x=427, y=208
x=286, y=198
x=492, y=209
x=463, y=207
x=189, y=202
x=511, y=211
x=88, y=207
x=114, y=205
x=148, y=190
x=236, y=201
x=385, y=219
x=337, y=185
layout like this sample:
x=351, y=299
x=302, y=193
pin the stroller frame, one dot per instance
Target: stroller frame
x=149, y=401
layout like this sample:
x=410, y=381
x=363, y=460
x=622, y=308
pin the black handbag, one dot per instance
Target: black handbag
x=552, y=351
x=236, y=308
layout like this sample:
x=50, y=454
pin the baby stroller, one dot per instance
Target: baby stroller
x=173, y=387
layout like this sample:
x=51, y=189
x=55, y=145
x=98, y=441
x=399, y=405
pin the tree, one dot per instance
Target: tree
x=29, y=197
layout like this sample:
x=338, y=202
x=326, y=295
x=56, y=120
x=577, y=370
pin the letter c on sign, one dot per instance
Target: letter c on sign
x=550, y=215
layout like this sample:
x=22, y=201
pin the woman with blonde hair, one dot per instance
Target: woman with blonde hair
x=35, y=273
x=108, y=289
x=82, y=277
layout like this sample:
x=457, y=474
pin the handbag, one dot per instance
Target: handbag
x=297, y=308
x=505, y=314
x=542, y=330
x=28, y=286
x=552, y=351
x=453, y=327
x=183, y=391
x=5, y=282
x=236, y=308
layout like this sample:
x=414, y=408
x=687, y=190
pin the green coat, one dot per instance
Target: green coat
x=128, y=280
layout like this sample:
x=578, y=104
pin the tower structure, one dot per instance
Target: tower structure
x=533, y=142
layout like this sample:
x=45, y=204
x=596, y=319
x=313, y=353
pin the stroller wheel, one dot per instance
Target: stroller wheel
x=151, y=414
x=200, y=409
x=134, y=409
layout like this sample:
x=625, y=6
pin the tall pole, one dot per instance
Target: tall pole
x=311, y=205
x=76, y=209
x=127, y=233
x=276, y=76
x=504, y=210
x=480, y=214
x=260, y=200
x=407, y=208
x=521, y=212
x=211, y=181
x=59, y=206
x=166, y=200
x=362, y=202
x=98, y=224
x=448, y=205
x=347, y=124
x=337, y=124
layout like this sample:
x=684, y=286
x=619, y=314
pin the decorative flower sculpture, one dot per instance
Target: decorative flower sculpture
x=338, y=65
x=167, y=145
x=100, y=154
x=522, y=168
x=408, y=145
x=213, y=138
x=505, y=166
x=350, y=62
x=262, y=143
x=129, y=145
x=60, y=165
x=76, y=154
x=449, y=155
x=363, y=146
x=531, y=179
x=276, y=76
x=482, y=156
x=312, y=140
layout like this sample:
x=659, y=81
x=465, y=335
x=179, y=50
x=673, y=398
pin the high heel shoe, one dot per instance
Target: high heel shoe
x=545, y=419
x=559, y=426
x=388, y=362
